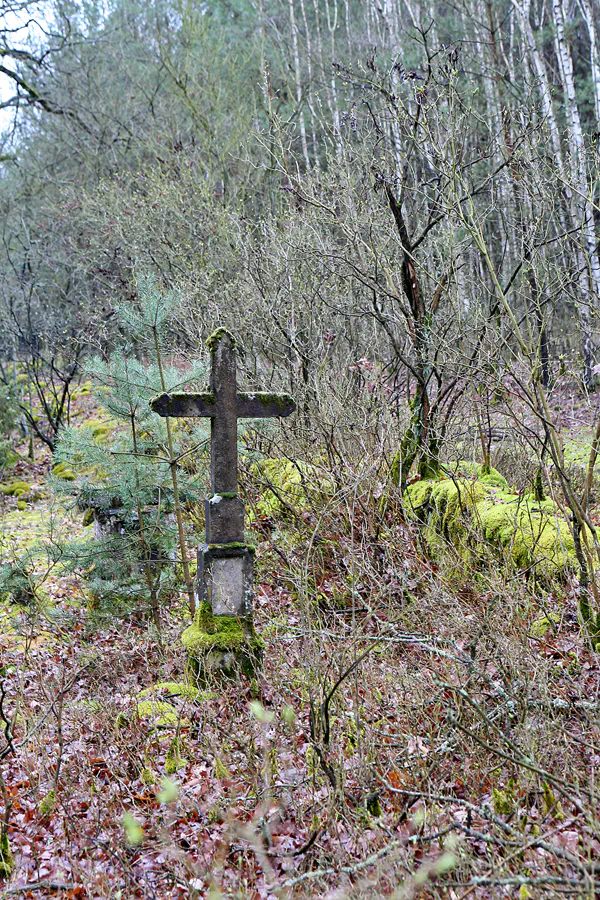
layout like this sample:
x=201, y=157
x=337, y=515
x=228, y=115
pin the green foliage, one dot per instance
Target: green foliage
x=116, y=469
x=8, y=457
x=18, y=583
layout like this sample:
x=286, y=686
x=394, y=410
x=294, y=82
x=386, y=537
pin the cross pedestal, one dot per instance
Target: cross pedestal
x=222, y=628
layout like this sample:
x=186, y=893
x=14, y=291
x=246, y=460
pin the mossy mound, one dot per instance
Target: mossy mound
x=63, y=471
x=82, y=390
x=480, y=511
x=15, y=489
x=224, y=645
x=294, y=483
x=100, y=428
x=157, y=702
x=162, y=713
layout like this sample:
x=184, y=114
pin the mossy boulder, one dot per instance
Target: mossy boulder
x=15, y=489
x=100, y=428
x=162, y=713
x=480, y=511
x=289, y=483
x=169, y=689
x=161, y=702
x=222, y=645
x=63, y=471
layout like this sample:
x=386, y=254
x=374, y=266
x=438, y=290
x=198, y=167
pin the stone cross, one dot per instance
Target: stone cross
x=225, y=562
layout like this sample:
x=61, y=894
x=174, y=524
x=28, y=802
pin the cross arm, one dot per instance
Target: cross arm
x=184, y=404
x=250, y=405
x=263, y=405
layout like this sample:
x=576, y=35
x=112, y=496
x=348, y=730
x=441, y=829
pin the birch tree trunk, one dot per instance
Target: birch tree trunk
x=590, y=17
x=588, y=264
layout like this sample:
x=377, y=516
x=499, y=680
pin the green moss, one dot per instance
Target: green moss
x=173, y=688
x=173, y=760
x=7, y=862
x=504, y=801
x=100, y=428
x=234, y=545
x=47, y=804
x=88, y=518
x=63, y=471
x=266, y=398
x=15, y=488
x=147, y=776
x=174, y=396
x=163, y=713
x=487, y=475
x=373, y=805
x=222, y=643
x=472, y=512
x=82, y=390
x=221, y=770
x=551, y=806
x=217, y=336
x=294, y=482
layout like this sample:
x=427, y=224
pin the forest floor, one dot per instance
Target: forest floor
x=419, y=729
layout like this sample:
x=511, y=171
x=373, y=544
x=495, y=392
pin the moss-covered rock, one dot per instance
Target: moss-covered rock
x=100, y=428
x=162, y=712
x=224, y=645
x=15, y=488
x=294, y=484
x=63, y=471
x=173, y=689
x=472, y=511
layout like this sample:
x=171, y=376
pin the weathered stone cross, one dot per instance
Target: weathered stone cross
x=225, y=562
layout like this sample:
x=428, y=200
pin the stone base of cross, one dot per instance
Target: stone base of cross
x=222, y=636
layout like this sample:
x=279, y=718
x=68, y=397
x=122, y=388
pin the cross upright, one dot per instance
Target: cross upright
x=225, y=562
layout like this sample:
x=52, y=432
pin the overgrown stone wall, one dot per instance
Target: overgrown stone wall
x=478, y=513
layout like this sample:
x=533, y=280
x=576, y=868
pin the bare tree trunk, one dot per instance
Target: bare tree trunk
x=589, y=265
x=298, y=80
x=591, y=18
